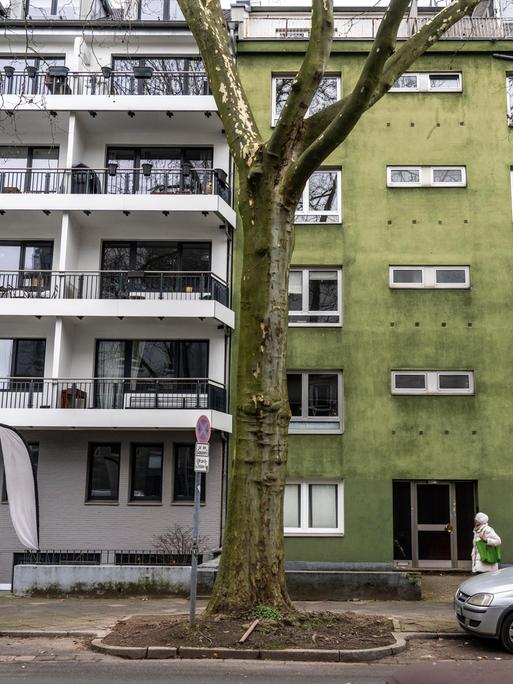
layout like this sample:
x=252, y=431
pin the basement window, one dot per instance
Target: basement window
x=432, y=382
x=322, y=198
x=315, y=296
x=419, y=277
x=426, y=176
x=315, y=400
x=327, y=93
x=427, y=82
x=314, y=508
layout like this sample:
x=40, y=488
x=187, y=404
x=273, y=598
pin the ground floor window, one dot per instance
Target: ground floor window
x=313, y=508
x=103, y=472
x=34, y=458
x=184, y=476
x=315, y=400
x=146, y=472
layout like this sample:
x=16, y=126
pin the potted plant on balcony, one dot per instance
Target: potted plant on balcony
x=9, y=71
x=143, y=71
x=31, y=71
x=112, y=168
x=107, y=71
x=146, y=167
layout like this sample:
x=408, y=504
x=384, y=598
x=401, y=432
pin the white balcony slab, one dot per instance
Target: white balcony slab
x=113, y=419
x=117, y=308
x=185, y=204
x=110, y=103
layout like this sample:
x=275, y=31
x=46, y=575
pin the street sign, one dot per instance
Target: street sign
x=201, y=458
x=203, y=430
x=202, y=449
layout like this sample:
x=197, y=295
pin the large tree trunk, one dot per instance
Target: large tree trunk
x=251, y=569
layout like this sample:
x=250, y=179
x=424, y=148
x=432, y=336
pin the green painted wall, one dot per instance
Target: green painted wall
x=462, y=437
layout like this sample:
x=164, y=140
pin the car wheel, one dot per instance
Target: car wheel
x=506, y=635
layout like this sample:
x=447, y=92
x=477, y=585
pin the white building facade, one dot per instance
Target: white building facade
x=116, y=225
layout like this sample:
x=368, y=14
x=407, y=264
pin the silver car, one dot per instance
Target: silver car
x=484, y=606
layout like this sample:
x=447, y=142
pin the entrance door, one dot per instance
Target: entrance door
x=433, y=523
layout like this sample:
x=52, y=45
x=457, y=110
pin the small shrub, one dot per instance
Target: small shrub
x=178, y=540
x=267, y=613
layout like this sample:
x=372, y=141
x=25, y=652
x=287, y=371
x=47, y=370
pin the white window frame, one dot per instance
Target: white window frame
x=426, y=176
x=288, y=74
x=432, y=382
x=304, y=510
x=305, y=275
x=337, y=213
x=424, y=82
x=315, y=423
x=429, y=278
x=509, y=99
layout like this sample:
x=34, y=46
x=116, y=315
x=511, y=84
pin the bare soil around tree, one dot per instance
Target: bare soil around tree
x=297, y=630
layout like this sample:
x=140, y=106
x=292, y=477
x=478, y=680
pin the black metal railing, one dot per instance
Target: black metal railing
x=102, y=557
x=133, y=285
x=112, y=393
x=111, y=180
x=109, y=83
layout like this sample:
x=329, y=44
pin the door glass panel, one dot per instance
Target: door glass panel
x=195, y=257
x=465, y=511
x=10, y=257
x=157, y=257
x=29, y=359
x=38, y=258
x=434, y=546
x=433, y=504
x=402, y=521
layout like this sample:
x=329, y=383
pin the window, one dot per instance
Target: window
x=47, y=9
x=327, y=93
x=28, y=169
x=34, y=458
x=315, y=296
x=171, y=76
x=23, y=83
x=103, y=472
x=312, y=508
x=432, y=382
x=146, y=472
x=156, y=256
x=442, y=277
x=315, y=400
x=160, y=10
x=22, y=358
x=184, y=475
x=441, y=82
x=321, y=200
x=426, y=176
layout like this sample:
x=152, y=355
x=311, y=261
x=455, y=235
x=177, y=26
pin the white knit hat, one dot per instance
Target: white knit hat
x=481, y=518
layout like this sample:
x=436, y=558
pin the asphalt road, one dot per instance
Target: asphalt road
x=127, y=672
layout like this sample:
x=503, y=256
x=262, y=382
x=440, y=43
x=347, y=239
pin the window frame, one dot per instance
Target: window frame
x=203, y=491
x=426, y=176
x=306, y=202
x=304, y=530
x=292, y=75
x=145, y=499
x=14, y=356
x=305, y=282
x=424, y=82
x=429, y=274
x=432, y=384
x=317, y=420
x=55, y=5
x=90, y=453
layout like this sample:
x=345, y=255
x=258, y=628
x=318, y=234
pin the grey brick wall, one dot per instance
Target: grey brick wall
x=68, y=522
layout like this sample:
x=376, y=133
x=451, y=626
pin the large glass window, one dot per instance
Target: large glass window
x=34, y=458
x=160, y=10
x=156, y=256
x=314, y=296
x=321, y=199
x=416, y=82
x=146, y=472
x=168, y=76
x=327, y=93
x=313, y=508
x=159, y=170
x=22, y=358
x=315, y=401
x=184, y=475
x=28, y=169
x=24, y=266
x=29, y=76
x=103, y=472
x=49, y=9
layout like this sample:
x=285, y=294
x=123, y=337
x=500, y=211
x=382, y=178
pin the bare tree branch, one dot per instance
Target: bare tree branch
x=358, y=101
x=207, y=22
x=305, y=84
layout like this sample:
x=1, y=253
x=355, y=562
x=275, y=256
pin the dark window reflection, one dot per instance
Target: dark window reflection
x=103, y=468
x=184, y=476
x=146, y=472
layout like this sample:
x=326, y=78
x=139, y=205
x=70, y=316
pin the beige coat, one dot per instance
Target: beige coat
x=492, y=539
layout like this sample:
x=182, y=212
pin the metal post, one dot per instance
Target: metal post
x=195, y=534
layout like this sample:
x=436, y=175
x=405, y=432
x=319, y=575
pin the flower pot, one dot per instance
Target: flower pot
x=143, y=72
x=112, y=168
x=146, y=168
x=9, y=71
x=107, y=71
x=31, y=71
x=58, y=71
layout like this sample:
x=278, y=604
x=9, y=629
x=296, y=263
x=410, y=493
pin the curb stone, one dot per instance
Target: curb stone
x=53, y=633
x=307, y=654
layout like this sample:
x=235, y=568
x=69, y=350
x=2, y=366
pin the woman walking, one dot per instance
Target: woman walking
x=486, y=547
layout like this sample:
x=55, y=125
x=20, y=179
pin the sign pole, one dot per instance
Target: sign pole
x=201, y=465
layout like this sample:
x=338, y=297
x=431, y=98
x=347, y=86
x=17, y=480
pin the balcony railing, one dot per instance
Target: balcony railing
x=112, y=393
x=131, y=285
x=115, y=83
x=144, y=181
x=365, y=28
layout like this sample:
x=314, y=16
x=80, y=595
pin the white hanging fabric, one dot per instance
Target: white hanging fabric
x=21, y=491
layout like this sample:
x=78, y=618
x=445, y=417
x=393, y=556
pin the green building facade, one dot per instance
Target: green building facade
x=407, y=470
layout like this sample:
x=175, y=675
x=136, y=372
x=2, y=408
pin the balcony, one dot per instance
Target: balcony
x=147, y=294
x=106, y=403
x=110, y=189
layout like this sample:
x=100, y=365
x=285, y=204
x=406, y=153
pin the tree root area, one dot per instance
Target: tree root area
x=298, y=630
